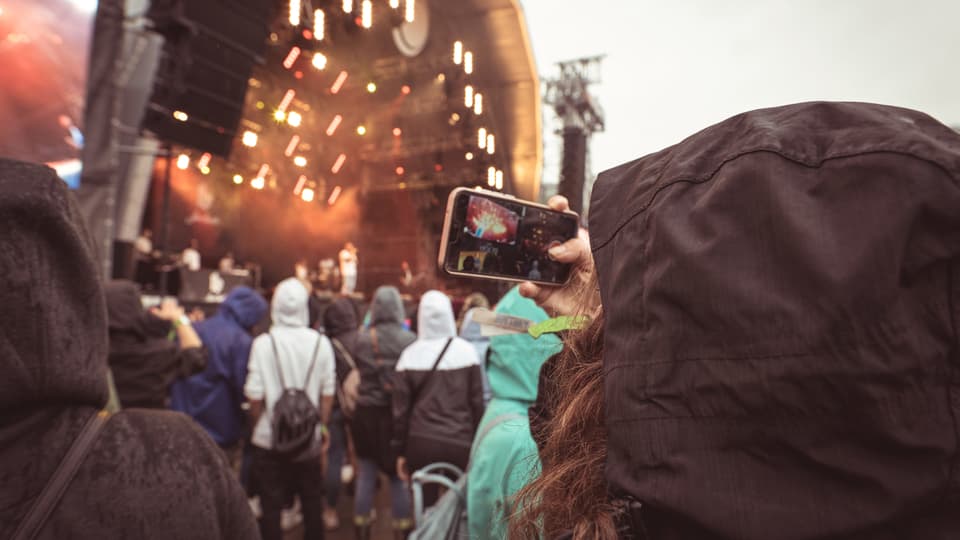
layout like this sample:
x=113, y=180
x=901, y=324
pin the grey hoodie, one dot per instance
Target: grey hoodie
x=377, y=369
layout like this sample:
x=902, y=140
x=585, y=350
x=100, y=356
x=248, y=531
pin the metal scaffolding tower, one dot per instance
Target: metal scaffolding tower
x=582, y=116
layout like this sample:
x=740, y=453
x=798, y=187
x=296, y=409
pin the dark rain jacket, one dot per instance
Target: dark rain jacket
x=782, y=300
x=149, y=474
x=143, y=360
x=377, y=369
x=214, y=397
x=443, y=405
x=340, y=323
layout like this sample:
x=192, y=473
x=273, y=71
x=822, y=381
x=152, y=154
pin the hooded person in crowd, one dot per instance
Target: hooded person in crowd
x=147, y=474
x=143, y=360
x=340, y=323
x=290, y=356
x=777, y=351
x=438, y=399
x=470, y=331
x=378, y=348
x=504, y=453
x=214, y=397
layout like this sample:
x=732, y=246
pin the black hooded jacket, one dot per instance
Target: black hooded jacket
x=340, y=323
x=149, y=474
x=143, y=361
x=781, y=295
x=377, y=368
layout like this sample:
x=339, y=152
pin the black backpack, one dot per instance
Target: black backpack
x=295, y=417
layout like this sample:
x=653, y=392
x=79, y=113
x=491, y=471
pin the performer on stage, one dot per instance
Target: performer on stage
x=348, y=268
x=191, y=256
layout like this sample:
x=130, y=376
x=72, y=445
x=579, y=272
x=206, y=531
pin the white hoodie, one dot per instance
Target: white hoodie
x=296, y=344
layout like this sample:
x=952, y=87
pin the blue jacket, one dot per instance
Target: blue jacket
x=214, y=397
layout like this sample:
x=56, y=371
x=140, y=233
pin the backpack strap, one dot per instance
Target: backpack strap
x=415, y=395
x=276, y=359
x=344, y=352
x=276, y=362
x=487, y=428
x=375, y=343
x=313, y=360
x=43, y=507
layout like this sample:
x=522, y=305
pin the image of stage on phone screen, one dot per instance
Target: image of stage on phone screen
x=504, y=239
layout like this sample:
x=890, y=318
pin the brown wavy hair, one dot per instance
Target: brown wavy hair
x=570, y=495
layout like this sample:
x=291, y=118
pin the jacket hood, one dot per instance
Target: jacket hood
x=387, y=306
x=53, y=325
x=289, y=306
x=245, y=306
x=435, y=316
x=775, y=291
x=340, y=318
x=125, y=313
x=515, y=360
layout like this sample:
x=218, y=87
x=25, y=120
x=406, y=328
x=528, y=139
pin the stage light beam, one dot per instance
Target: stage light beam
x=491, y=176
x=181, y=116
x=482, y=138
x=279, y=115
x=458, y=52
x=291, y=57
x=490, y=144
x=302, y=181
x=338, y=84
x=249, y=139
x=409, y=11
x=319, y=24
x=183, y=161
x=295, y=12
x=468, y=62
x=300, y=161
x=499, y=179
x=348, y=6
x=307, y=195
x=468, y=96
x=366, y=13
x=332, y=128
x=294, y=118
x=333, y=195
x=478, y=104
x=338, y=164
x=292, y=146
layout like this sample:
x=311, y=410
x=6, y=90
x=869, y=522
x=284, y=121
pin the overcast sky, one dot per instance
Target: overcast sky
x=674, y=67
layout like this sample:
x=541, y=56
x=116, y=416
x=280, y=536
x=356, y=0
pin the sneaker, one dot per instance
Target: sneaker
x=255, y=507
x=331, y=521
x=291, y=517
x=346, y=474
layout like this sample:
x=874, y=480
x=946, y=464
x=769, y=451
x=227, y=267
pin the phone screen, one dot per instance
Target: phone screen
x=506, y=239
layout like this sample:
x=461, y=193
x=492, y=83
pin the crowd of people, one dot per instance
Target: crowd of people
x=759, y=339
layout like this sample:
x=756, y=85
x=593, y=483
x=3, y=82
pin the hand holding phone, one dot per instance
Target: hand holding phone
x=491, y=236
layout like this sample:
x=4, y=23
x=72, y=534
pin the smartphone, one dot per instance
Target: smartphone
x=493, y=236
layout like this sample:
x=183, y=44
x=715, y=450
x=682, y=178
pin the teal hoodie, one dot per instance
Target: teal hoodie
x=506, y=459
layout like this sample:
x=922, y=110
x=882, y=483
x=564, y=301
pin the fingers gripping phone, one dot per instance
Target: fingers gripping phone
x=492, y=236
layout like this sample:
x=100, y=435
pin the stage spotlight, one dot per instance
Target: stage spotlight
x=249, y=138
x=279, y=115
x=204, y=160
x=408, y=13
x=499, y=179
x=457, y=52
x=348, y=6
x=204, y=170
x=338, y=164
x=318, y=24
x=295, y=12
x=478, y=104
x=258, y=183
x=371, y=87
x=491, y=176
x=319, y=61
x=366, y=13
x=405, y=89
x=468, y=96
x=454, y=118
x=399, y=171
x=332, y=128
x=181, y=116
x=482, y=138
x=292, y=145
x=333, y=195
x=183, y=161
x=397, y=132
x=394, y=4
x=338, y=84
x=361, y=130
x=441, y=77
x=468, y=62
x=294, y=118
x=490, y=147
x=237, y=179
x=300, y=161
x=468, y=156
x=291, y=57
x=261, y=105
x=438, y=167
x=307, y=195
